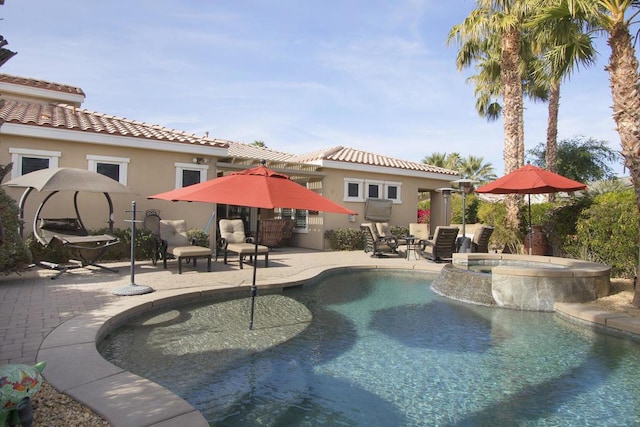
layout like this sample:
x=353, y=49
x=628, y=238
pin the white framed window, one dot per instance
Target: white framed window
x=116, y=168
x=26, y=160
x=373, y=189
x=300, y=216
x=353, y=190
x=393, y=191
x=190, y=173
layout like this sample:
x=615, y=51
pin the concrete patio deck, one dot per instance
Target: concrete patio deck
x=59, y=321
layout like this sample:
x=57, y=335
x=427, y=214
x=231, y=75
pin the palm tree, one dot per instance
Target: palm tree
x=614, y=18
x=562, y=48
x=493, y=22
x=476, y=169
x=443, y=160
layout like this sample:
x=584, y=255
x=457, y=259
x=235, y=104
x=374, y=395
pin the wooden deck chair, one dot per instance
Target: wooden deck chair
x=234, y=240
x=442, y=246
x=480, y=241
x=176, y=243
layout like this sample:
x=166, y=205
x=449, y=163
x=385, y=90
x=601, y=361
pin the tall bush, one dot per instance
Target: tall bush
x=14, y=254
x=606, y=232
x=503, y=238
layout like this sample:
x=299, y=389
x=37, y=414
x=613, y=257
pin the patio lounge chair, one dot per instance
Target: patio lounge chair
x=71, y=233
x=442, y=246
x=233, y=239
x=176, y=243
x=384, y=232
x=375, y=244
x=480, y=241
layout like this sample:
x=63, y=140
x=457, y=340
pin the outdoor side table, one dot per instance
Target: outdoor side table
x=412, y=247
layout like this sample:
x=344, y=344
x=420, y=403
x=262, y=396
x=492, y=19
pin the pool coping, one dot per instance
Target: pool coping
x=76, y=368
x=122, y=398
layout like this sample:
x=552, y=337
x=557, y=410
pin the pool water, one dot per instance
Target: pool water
x=381, y=349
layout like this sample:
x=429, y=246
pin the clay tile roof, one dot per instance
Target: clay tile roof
x=238, y=149
x=351, y=155
x=40, y=84
x=61, y=116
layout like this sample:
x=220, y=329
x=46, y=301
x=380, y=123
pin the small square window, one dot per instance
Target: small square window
x=190, y=173
x=353, y=190
x=32, y=164
x=26, y=160
x=109, y=169
x=116, y=168
x=190, y=177
x=392, y=192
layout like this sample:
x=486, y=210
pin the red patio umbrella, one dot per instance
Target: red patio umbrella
x=258, y=187
x=530, y=180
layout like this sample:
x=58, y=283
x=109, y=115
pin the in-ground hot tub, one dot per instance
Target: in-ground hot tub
x=524, y=282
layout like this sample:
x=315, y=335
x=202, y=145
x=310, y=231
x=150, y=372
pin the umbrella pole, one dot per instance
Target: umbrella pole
x=530, y=228
x=254, y=288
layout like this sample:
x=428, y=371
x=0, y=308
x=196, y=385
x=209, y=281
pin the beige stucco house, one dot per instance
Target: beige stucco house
x=43, y=125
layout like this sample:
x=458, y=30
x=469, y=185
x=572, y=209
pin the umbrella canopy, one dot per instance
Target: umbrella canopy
x=530, y=180
x=68, y=179
x=53, y=180
x=258, y=187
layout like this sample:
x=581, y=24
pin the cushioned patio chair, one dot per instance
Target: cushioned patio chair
x=378, y=246
x=233, y=239
x=384, y=232
x=442, y=246
x=176, y=243
x=420, y=232
x=480, y=241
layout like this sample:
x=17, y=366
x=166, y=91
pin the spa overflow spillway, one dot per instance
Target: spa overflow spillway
x=380, y=348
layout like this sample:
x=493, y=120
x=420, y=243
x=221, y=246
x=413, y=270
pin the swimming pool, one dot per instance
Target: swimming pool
x=365, y=347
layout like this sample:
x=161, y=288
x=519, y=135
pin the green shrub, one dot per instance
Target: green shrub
x=606, y=232
x=345, y=239
x=199, y=237
x=503, y=238
x=14, y=254
x=56, y=252
x=472, y=204
x=399, y=230
x=559, y=224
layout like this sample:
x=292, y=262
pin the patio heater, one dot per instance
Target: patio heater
x=464, y=184
x=446, y=195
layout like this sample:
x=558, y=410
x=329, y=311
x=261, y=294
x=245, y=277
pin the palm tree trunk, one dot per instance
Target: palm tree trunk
x=551, y=158
x=512, y=115
x=624, y=78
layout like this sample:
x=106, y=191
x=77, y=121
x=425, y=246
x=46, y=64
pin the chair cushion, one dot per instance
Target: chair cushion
x=191, y=251
x=246, y=248
x=419, y=230
x=174, y=231
x=383, y=229
x=232, y=230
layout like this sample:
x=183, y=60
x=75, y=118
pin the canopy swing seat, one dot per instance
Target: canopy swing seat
x=72, y=234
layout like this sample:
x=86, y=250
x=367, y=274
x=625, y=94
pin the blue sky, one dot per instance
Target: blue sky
x=299, y=75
